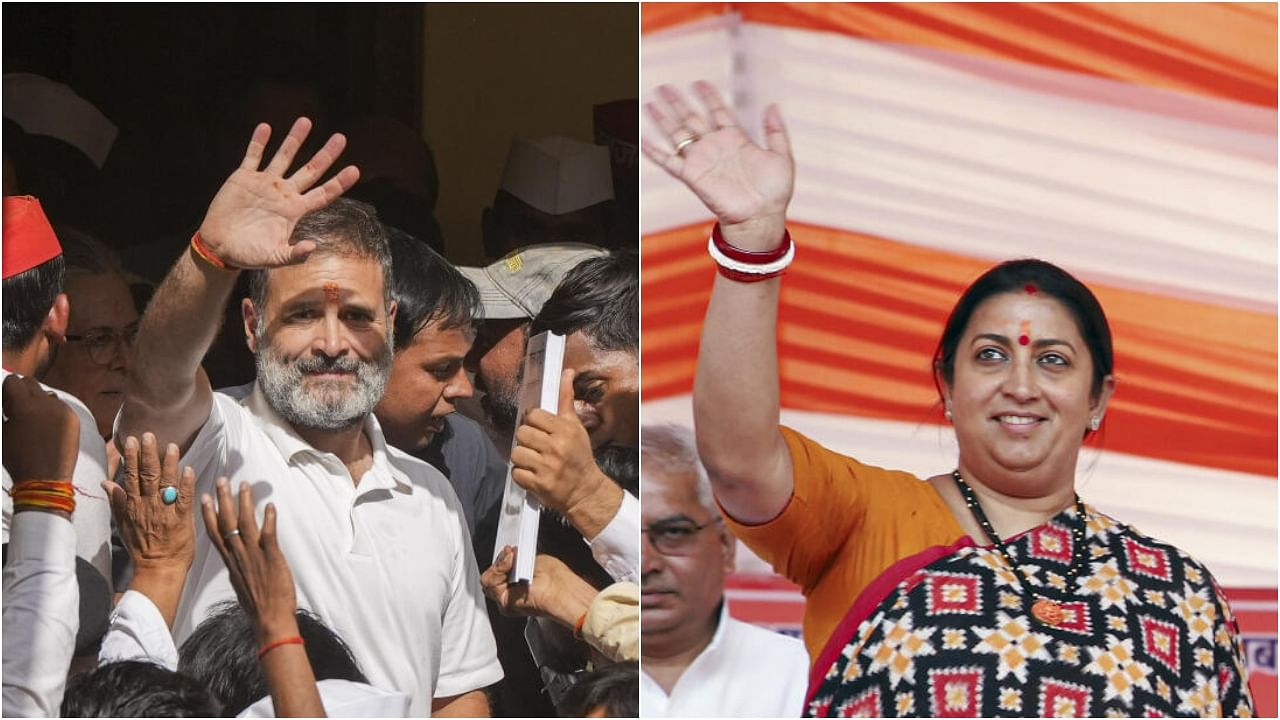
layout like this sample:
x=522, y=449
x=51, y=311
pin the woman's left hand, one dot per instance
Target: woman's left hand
x=258, y=569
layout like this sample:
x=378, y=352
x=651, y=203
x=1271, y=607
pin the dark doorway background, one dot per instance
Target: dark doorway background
x=173, y=78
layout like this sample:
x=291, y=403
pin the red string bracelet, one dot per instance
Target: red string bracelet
x=295, y=640
x=577, y=627
x=204, y=253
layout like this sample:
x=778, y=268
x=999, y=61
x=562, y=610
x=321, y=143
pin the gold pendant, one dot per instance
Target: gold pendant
x=1047, y=611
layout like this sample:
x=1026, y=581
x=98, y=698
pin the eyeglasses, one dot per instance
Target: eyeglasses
x=104, y=344
x=676, y=537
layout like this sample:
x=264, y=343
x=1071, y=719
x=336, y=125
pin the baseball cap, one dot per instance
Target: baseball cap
x=517, y=285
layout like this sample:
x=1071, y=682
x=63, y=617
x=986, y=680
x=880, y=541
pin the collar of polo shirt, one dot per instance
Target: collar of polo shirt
x=384, y=475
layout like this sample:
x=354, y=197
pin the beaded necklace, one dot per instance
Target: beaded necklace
x=1043, y=609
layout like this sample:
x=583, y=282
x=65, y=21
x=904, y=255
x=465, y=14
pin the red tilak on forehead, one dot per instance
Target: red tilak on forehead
x=1031, y=288
x=1024, y=330
x=331, y=292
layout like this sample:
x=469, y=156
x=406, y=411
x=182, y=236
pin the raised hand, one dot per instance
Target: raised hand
x=160, y=537
x=250, y=221
x=41, y=433
x=258, y=570
x=156, y=534
x=747, y=186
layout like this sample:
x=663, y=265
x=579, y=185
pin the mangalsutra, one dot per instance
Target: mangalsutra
x=1043, y=609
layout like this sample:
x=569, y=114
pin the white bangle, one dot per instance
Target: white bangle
x=729, y=263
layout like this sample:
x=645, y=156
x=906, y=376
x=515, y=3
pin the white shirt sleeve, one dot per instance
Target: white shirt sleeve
x=468, y=653
x=41, y=613
x=138, y=632
x=617, y=547
x=92, y=523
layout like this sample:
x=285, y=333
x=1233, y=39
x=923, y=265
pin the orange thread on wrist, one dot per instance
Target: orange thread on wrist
x=204, y=253
x=295, y=640
x=44, y=495
x=577, y=627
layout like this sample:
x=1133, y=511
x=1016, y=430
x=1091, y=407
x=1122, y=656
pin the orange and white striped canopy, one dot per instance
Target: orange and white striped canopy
x=1132, y=144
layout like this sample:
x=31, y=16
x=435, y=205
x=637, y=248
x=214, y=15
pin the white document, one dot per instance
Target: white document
x=539, y=387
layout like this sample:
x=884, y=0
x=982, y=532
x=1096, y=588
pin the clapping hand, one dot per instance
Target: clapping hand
x=251, y=219
x=747, y=186
x=258, y=569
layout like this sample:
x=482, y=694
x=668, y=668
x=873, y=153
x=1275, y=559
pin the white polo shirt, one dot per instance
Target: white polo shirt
x=387, y=564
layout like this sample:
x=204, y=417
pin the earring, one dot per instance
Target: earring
x=947, y=412
x=1095, y=422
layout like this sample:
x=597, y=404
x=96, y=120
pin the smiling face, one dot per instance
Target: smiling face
x=1021, y=394
x=322, y=341
x=427, y=377
x=102, y=311
x=605, y=391
x=679, y=592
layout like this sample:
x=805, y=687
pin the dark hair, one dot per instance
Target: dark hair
x=599, y=297
x=343, y=227
x=222, y=653
x=85, y=253
x=27, y=298
x=136, y=689
x=1032, y=276
x=427, y=289
x=614, y=687
x=621, y=464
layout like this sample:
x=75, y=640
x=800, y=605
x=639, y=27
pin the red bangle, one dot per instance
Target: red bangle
x=755, y=257
x=577, y=627
x=295, y=640
x=204, y=253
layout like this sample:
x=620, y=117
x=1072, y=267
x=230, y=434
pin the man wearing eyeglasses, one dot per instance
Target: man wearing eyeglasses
x=100, y=329
x=697, y=661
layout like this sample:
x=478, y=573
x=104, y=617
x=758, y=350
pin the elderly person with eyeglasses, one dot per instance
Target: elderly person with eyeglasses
x=100, y=329
x=697, y=661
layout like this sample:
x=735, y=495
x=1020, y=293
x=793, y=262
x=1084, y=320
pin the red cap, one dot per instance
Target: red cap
x=29, y=240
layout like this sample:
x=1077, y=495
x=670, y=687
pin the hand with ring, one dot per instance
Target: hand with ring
x=153, y=510
x=746, y=185
x=258, y=569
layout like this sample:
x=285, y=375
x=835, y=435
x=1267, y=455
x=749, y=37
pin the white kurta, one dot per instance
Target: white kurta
x=745, y=671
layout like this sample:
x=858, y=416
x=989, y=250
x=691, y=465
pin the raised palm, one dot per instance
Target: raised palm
x=734, y=177
x=251, y=219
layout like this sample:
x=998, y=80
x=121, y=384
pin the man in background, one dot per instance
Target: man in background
x=696, y=660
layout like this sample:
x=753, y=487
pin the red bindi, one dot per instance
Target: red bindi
x=1024, y=332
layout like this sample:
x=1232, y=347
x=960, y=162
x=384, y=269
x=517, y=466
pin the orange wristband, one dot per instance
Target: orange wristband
x=204, y=253
x=295, y=640
x=577, y=627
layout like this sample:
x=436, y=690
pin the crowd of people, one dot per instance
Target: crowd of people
x=320, y=540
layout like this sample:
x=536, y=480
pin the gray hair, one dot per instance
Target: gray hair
x=344, y=227
x=670, y=449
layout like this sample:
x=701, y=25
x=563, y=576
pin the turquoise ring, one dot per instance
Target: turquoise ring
x=169, y=495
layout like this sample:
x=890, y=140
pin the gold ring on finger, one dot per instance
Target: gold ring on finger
x=680, y=146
